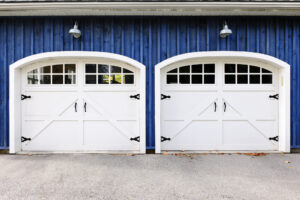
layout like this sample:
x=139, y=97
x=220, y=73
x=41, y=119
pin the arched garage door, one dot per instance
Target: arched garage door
x=219, y=104
x=81, y=105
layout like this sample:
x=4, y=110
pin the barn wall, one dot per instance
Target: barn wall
x=150, y=40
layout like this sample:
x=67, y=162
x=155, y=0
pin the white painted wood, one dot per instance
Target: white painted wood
x=150, y=8
x=284, y=109
x=199, y=127
x=15, y=119
x=49, y=117
x=248, y=107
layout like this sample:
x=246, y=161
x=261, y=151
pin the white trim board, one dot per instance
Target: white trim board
x=284, y=87
x=15, y=88
x=151, y=8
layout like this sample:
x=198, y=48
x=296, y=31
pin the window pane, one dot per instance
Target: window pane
x=242, y=79
x=254, y=79
x=35, y=71
x=184, y=69
x=126, y=71
x=45, y=79
x=230, y=79
x=70, y=79
x=267, y=79
x=128, y=79
x=32, y=79
x=254, y=69
x=209, y=68
x=116, y=79
x=171, y=79
x=90, y=68
x=242, y=68
x=46, y=69
x=197, y=68
x=265, y=70
x=184, y=79
x=57, y=69
x=90, y=79
x=57, y=79
x=103, y=68
x=103, y=79
x=209, y=79
x=173, y=71
x=196, y=79
x=229, y=68
x=70, y=68
x=115, y=69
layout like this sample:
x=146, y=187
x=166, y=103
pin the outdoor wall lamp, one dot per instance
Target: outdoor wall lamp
x=225, y=31
x=75, y=31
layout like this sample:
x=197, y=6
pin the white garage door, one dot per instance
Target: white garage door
x=222, y=105
x=80, y=106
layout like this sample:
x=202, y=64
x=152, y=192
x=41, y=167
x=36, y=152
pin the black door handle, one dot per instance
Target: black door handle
x=215, y=106
x=224, y=106
x=84, y=106
x=75, y=106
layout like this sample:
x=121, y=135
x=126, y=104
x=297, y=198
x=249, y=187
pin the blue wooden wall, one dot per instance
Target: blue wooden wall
x=150, y=40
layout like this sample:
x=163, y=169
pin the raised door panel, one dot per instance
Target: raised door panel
x=250, y=116
x=110, y=119
x=51, y=120
x=189, y=118
x=52, y=136
x=249, y=120
x=234, y=112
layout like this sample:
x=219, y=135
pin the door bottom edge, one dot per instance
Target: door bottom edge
x=220, y=151
x=79, y=152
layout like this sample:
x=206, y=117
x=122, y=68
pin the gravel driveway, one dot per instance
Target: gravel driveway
x=155, y=177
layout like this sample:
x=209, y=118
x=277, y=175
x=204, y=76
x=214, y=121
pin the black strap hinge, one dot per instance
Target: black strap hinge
x=23, y=139
x=137, y=96
x=274, y=138
x=275, y=96
x=162, y=138
x=163, y=96
x=136, y=138
x=25, y=97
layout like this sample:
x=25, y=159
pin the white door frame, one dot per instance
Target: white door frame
x=15, y=114
x=284, y=88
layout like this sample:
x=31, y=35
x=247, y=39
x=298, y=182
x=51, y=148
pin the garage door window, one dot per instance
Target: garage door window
x=52, y=74
x=192, y=74
x=107, y=74
x=247, y=74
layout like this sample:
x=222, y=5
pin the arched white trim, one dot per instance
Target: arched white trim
x=75, y=54
x=15, y=88
x=284, y=87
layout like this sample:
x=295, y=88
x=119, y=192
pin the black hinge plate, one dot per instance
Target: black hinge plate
x=163, y=96
x=275, y=96
x=274, y=138
x=137, y=96
x=162, y=139
x=23, y=139
x=25, y=97
x=136, y=138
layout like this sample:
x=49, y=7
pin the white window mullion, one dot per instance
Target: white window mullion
x=51, y=74
x=109, y=74
x=64, y=74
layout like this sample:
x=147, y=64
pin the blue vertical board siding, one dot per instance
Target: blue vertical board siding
x=150, y=40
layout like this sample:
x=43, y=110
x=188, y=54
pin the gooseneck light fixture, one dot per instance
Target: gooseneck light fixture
x=75, y=31
x=225, y=31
